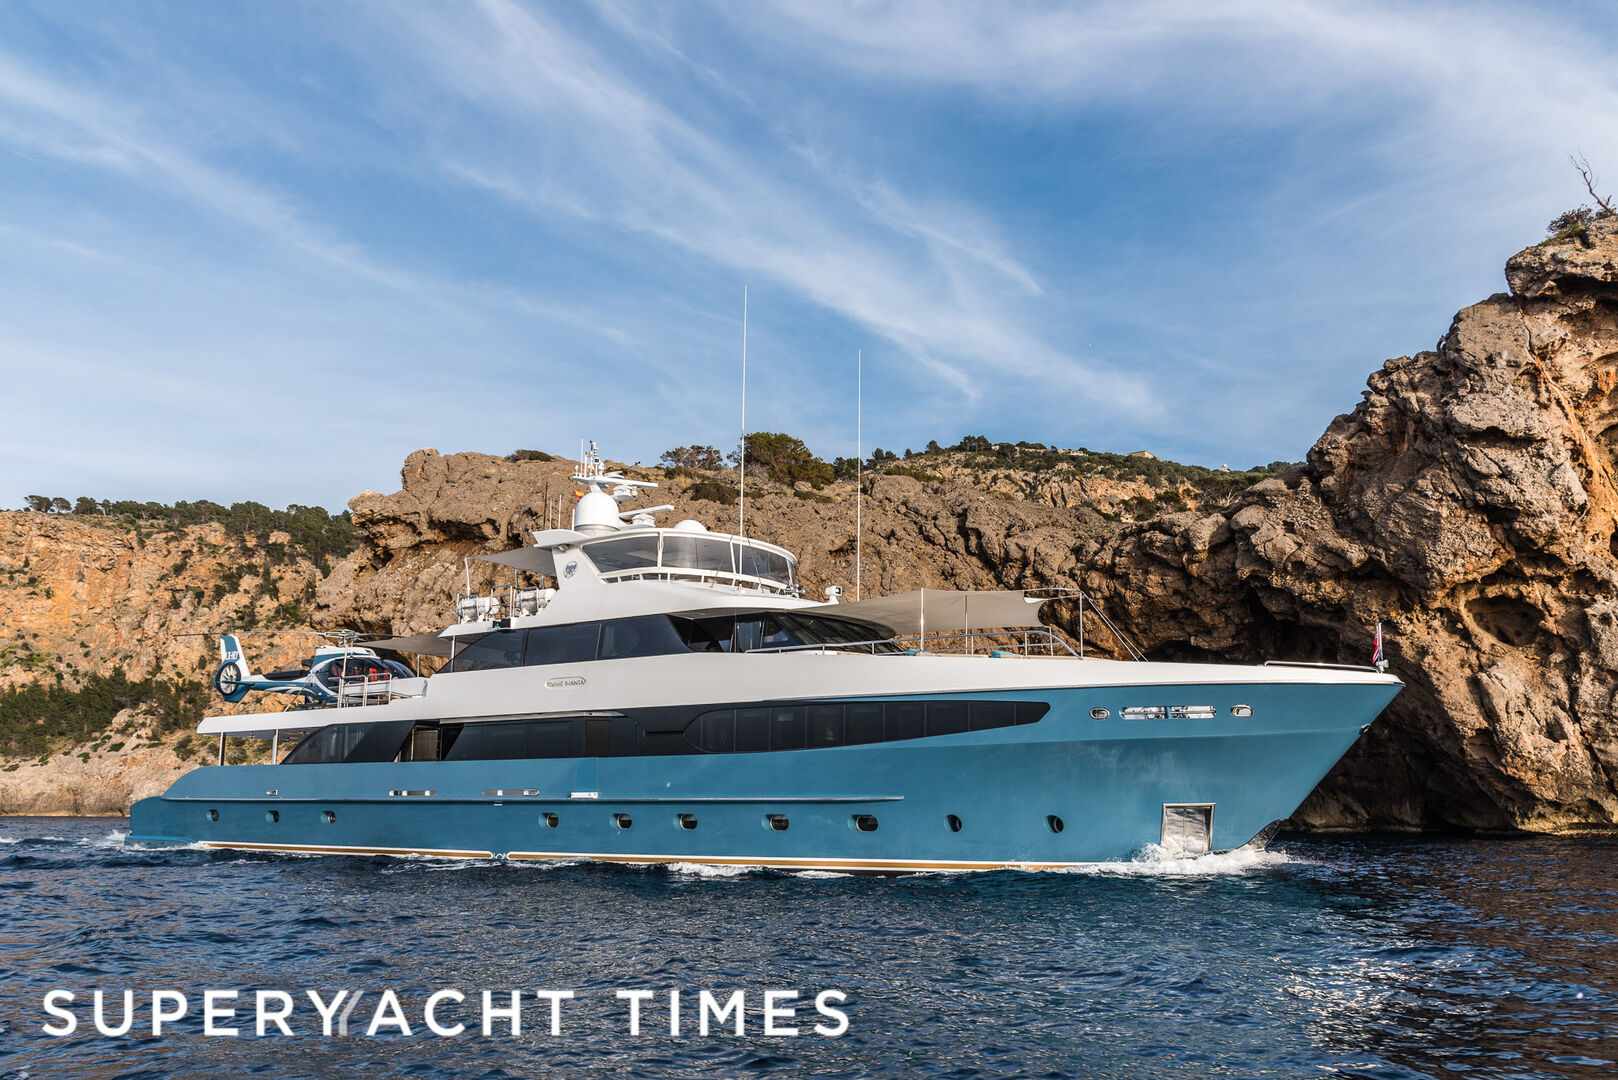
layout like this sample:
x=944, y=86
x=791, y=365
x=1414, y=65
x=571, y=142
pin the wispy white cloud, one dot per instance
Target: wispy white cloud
x=1492, y=78
x=1222, y=217
x=1426, y=142
x=583, y=138
x=91, y=129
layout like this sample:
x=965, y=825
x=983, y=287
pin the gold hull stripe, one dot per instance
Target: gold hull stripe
x=327, y=849
x=792, y=863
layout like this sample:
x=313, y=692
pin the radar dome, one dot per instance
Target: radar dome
x=596, y=511
x=690, y=525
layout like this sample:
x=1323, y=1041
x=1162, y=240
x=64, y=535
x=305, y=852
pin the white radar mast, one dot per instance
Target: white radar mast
x=597, y=509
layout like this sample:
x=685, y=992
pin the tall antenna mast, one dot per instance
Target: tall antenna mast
x=741, y=519
x=859, y=458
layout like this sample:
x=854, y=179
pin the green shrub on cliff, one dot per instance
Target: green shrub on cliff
x=697, y=458
x=314, y=533
x=714, y=491
x=35, y=717
x=976, y=452
x=1573, y=225
x=786, y=459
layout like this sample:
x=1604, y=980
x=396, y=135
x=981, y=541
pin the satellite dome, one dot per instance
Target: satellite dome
x=596, y=511
x=690, y=525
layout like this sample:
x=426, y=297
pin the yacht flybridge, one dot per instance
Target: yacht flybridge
x=669, y=695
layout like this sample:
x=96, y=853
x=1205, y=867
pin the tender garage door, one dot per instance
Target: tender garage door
x=1187, y=828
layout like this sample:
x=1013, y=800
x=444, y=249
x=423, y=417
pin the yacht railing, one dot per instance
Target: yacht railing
x=704, y=577
x=357, y=690
x=972, y=643
x=1084, y=601
x=1322, y=664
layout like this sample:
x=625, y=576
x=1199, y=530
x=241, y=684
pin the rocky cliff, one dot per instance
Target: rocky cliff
x=85, y=597
x=1467, y=503
x=937, y=535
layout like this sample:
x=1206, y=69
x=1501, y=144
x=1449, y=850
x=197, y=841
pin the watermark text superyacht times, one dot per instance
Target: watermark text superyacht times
x=445, y=1013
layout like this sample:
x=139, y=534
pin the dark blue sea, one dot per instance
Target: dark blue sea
x=1358, y=958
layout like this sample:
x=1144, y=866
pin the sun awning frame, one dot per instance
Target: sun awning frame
x=927, y=611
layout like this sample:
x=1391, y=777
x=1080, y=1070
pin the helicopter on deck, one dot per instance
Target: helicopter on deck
x=332, y=671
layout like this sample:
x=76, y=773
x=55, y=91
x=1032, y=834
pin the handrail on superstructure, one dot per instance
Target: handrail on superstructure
x=346, y=698
x=703, y=577
x=1024, y=647
x=1321, y=664
x=1052, y=592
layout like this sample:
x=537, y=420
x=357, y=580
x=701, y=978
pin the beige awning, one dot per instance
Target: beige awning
x=541, y=558
x=420, y=644
x=534, y=560
x=939, y=610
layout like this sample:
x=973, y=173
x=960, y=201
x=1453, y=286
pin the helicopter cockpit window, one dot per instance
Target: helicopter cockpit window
x=352, y=669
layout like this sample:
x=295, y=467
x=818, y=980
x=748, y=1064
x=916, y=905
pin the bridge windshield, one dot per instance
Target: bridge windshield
x=691, y=552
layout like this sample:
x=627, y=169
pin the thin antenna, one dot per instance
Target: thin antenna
x=859, y=458
x=741, y=520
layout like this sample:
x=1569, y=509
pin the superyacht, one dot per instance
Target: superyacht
x=669, y=695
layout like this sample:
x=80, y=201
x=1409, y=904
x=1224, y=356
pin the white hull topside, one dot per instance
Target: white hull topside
x=700, y=678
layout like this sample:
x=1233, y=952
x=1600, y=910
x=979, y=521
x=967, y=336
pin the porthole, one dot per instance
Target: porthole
x=1054, y=823
x=550, y=821
x=686, y=821
x=863, y=822
x=329, y=816
x=623, y=821
x=1241, y=710
x=1100, y=714
x=272, y=816
x=213, y=815
x=953, y=822
x=776, y=822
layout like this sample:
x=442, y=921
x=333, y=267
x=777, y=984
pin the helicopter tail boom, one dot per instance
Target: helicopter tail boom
x=234, y=673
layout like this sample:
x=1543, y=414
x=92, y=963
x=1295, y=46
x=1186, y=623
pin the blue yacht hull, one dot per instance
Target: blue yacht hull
x=1067, y=789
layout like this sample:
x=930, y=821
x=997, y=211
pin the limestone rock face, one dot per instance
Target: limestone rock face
x=451, y=509
x=105, y=785
x=81, y=595
x=1467, y=502
x=1566, y=268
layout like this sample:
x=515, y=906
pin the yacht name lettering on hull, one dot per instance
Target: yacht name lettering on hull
x=565, y=683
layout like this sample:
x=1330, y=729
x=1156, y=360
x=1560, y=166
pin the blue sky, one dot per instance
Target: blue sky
x=265, y=250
